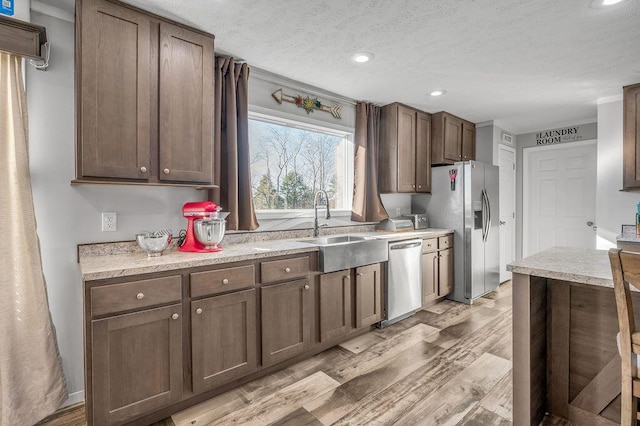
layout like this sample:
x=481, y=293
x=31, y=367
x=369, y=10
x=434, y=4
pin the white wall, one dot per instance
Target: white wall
x=613, y=207
x=68, y=215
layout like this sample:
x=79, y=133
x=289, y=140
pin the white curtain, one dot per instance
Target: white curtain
x=32, y=385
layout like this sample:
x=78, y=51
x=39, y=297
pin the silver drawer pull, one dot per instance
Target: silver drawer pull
x=166, y=171
x=225, y=281
x=140, y=296
x=287, y=269
x=143, y=169
x=175, y=316
x=359, y=274
x=199, y=311
x=306, y=287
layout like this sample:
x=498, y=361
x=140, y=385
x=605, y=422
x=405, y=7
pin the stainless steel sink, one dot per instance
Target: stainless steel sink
x=348, y=251
x=343, y=239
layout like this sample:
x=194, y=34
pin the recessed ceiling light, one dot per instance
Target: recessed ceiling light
x=438, y=92
x=599, y=4
x=362, y=57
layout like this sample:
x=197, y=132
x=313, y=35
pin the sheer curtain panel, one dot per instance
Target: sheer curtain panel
x=32, y=385
x=367, y=206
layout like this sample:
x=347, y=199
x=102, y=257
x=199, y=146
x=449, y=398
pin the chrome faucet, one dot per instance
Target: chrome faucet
x=316, y=227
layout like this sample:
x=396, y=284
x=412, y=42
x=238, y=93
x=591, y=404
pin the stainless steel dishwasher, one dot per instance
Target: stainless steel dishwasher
x=404, y=280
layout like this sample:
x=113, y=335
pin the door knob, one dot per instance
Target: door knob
x=502, y=222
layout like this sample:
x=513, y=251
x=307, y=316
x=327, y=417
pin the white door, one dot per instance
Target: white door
x=507, y=210
x=559, y=196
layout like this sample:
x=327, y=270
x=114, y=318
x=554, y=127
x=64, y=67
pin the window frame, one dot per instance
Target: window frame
x=348, y=171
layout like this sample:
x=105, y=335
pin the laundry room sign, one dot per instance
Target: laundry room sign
x=565, y=134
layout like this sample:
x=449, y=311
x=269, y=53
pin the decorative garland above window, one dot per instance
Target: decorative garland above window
x=308, y=103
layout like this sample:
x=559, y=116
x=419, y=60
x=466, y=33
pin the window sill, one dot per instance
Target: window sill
x=299, y=214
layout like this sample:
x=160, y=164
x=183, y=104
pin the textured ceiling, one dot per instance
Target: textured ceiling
x=529, y=64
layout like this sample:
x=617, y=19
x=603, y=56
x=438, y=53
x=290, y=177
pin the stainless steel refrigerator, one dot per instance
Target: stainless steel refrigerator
x=468, y=204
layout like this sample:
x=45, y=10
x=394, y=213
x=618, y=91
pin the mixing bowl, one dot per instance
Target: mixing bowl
x=209, y=231
x=154, y=243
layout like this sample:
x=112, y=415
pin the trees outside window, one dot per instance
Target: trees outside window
x=289, y=164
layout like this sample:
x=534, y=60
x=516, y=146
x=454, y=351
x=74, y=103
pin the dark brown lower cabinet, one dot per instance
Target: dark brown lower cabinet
x=286, y=320
x=368, y=291
x=430, y=277
x=445, y=272
x=223, y=336
x=335, y=304
x=136, y=363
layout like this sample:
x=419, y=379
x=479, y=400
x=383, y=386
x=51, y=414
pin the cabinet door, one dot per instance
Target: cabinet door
x=468, y=141
x=406, y=149
x=137, y=364
x=430, y=277
x=114, y=92
x=423, y=152
x=445, y=272
x=286, y=320
x=368, y=295
x=186, y=105
x=335, y=304
x=452, y=138
x=631, y=151
x=223, y=339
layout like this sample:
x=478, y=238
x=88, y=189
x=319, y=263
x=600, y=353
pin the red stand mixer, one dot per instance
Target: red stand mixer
x=201, y=238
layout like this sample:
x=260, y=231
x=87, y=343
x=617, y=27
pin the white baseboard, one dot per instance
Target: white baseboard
x=74, y=398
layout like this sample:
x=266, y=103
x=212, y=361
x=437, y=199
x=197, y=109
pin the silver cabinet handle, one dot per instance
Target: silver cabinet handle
x=359, y=274
x=140, y=296
x=199, y=311
x=175, y=316
x=502, y=222
x=143, y=169
x=306, y=287
x=166, y=171
x=590, y=223
x=225, y=281
x=347, y=277
x=287, y=269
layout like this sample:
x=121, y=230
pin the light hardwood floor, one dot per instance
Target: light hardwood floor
x=450, y=364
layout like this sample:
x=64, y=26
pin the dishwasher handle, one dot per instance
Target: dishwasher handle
x=405, y=245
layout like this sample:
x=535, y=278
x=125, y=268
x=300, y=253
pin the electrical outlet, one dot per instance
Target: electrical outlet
x=109, y=222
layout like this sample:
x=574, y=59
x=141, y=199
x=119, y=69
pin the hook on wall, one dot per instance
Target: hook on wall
x=42, y=64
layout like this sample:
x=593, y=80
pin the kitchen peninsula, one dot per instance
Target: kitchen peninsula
x=565, y=359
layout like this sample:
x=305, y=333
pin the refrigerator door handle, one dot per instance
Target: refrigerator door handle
x=484, y=216
x=486, y=211
x=488, y=215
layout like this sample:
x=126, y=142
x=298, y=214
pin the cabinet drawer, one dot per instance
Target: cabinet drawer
x=222, y=280
x=445, y=242
x=430, y=244
x=114, y=298
x=286, y=269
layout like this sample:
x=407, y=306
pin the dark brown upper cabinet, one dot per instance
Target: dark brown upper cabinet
x=144, y=97
x=631, y=152
x=453, y=139
x=405, y=150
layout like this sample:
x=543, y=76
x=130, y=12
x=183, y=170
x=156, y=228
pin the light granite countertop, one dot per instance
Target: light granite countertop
x=568, y=264
x=628, y=238
x=96, y=267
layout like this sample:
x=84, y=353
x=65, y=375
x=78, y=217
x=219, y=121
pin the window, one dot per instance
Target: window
x=291, y=161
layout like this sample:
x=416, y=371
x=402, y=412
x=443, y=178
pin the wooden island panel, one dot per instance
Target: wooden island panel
x=565, y=358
